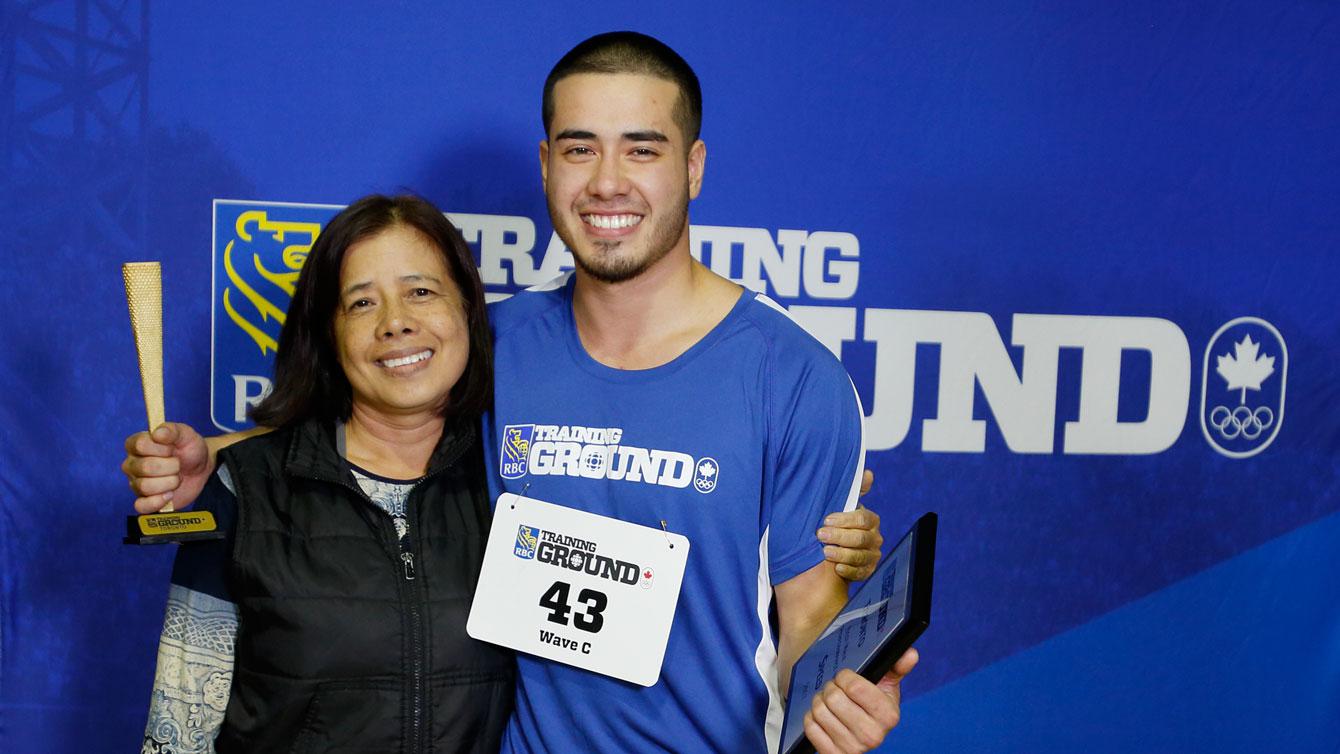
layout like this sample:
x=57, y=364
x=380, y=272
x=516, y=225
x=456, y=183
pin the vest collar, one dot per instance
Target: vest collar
x=312, y=451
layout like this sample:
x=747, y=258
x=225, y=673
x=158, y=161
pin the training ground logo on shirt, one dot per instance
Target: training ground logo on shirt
x=1242, y=394
x=527, y=537
x=598, y=453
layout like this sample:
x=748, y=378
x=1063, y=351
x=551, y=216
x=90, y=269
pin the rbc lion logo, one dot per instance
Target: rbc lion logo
x=527, y=537
x=512, y=464
x=1242, y=387
x=259, y=250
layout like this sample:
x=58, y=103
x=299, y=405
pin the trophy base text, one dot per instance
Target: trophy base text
x=180, y=526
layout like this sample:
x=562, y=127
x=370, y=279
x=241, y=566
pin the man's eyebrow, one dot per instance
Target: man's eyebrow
x=649, y=135
x=579, y=135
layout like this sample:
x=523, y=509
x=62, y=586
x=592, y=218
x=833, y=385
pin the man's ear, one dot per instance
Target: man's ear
x=697, y=164
x=544, y=163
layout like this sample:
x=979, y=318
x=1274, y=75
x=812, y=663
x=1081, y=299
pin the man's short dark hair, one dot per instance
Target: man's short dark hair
x=631, y=52
x=309, y=382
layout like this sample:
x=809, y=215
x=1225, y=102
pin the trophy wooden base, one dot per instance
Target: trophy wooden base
x=178, y=526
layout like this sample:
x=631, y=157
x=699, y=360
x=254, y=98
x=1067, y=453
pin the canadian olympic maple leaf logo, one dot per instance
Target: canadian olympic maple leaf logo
x=1245, y=369
x=705, y=475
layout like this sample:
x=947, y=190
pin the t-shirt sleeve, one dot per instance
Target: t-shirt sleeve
x=202, y=566
x=818, y=455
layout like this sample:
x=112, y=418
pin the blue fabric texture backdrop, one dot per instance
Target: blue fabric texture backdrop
x=1080, y=259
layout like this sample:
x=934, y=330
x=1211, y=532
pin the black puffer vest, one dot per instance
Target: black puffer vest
x=346, y=643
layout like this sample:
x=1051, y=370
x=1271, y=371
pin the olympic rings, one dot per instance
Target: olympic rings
x=1241, y=421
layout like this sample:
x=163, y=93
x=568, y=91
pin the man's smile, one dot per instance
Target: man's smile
x=611, y=222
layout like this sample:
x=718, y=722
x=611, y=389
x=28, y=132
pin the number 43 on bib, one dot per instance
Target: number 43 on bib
x=579, y=588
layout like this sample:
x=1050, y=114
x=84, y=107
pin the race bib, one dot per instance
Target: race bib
x=579, y=588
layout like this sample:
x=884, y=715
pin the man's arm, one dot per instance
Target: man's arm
x=805, y=605
x=172, y=464
x=818, y=472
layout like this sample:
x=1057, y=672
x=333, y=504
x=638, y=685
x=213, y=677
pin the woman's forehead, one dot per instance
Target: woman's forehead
x=394, y=252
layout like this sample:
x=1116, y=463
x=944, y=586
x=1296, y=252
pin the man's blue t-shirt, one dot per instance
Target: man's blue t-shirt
x=743, y=444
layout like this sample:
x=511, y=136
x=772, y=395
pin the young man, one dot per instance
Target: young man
x=644, y=350
x=645, y=344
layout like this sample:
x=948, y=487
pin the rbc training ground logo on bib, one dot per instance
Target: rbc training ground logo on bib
x=1242, y=387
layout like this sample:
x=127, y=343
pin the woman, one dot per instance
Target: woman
x=358, y=526
x=356, y=529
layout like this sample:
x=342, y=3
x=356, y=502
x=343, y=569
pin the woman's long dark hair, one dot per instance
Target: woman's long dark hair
x=309, y=381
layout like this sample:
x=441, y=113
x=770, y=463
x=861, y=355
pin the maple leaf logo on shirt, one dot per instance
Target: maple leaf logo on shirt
x=1245, y=369
x=707, y=469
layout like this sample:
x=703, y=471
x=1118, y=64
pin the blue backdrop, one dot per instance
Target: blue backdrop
x=1080, y=258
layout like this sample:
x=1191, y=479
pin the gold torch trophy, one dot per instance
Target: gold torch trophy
x=144, y=293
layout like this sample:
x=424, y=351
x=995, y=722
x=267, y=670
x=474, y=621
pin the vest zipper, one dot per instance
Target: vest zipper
x=416, y=682
x=417, y=691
